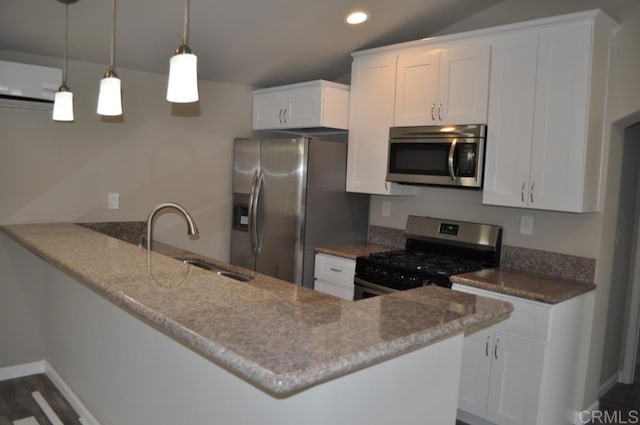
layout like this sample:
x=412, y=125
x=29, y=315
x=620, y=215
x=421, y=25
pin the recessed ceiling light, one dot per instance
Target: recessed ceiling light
x=357, y=17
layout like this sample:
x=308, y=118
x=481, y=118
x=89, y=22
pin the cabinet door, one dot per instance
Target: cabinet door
x=476, y=371
x=302, y=108
x=559, y=134
x=510, y=120
x=370, y=116
x=516, y=377
x=463, y=91
x=417, y=89
x=268, y=111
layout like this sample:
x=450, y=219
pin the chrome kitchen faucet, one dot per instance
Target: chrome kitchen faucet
x=192, y=229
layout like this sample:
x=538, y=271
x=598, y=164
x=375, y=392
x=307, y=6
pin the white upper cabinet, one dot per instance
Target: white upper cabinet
x=546, y=113
x=443, y=86
x=306, y=105
x=370, y=116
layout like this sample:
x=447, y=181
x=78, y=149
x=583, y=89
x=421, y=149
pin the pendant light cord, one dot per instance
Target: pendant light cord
x=66, y=44
x=185, y=30
x=113, y=35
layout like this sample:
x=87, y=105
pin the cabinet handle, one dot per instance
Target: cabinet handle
x=284, y=115
x=486, y=347
x=531, y=191
x=386, y=186
x=495, y=349
x=433, y=112
x=335, y=270
x=522, y=190
x=280, y=116
x=440, y=111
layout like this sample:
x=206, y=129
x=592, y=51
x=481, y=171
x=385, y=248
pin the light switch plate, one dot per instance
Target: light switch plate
x=113, y=201
x=526, y=224
x=386, y=208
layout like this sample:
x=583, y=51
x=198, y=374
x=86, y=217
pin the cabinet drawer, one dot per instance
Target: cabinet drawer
x=529, y=319
x=335, y=269
x=340, y=291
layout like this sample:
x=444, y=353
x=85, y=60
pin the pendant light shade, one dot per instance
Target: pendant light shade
x=183, y=69
x=110, y=96
x=63, y=105
x=63, y=100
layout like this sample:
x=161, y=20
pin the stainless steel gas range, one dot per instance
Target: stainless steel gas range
x=436, y=249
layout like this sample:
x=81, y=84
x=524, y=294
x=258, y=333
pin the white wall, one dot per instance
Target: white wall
x=53, y=172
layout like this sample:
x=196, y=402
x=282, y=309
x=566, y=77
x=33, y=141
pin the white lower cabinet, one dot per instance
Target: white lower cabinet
x=521, y=371
x=334, y=275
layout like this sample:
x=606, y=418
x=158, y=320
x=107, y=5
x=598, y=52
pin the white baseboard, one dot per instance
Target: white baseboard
x=608, y=384
x=18, y=371
x=42, y=366
x=86, y=418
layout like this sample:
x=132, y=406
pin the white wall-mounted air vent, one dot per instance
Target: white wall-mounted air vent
x=28, y=86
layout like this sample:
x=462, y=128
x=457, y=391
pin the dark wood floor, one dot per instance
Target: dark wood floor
x=624, y=398
x=16, y=401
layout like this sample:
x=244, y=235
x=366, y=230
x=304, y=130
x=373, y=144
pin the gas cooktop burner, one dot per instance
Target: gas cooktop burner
x=435, y=250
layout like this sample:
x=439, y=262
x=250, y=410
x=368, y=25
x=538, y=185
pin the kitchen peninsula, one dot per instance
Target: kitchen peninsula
x=143, y=338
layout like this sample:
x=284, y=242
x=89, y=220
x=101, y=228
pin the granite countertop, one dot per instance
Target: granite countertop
x=353, y=251
x=530, y=286
x=278, y=336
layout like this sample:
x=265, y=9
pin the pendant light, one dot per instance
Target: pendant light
x=183, y=69
x=63, y=100
x=110, y=97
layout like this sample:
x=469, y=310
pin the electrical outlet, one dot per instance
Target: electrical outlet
x=386, y=208
x=526, y=224
x=113, y=201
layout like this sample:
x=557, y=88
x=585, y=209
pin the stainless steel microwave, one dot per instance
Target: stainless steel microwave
x=437, y=155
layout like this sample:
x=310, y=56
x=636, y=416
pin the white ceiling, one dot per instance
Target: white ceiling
x=256, y=42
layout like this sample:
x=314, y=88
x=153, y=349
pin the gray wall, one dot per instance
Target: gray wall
x=61, y=172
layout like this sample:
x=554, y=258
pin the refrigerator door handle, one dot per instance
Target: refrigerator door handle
x=256, y=201
x=252, y=221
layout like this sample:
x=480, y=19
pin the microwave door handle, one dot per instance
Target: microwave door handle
x=452, y=151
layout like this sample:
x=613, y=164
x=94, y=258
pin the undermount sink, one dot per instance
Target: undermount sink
x=214, y=268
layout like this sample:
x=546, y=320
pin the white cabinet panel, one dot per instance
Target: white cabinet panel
x=514, y=389
x=463, y=93
x=334, y=275
x=417, y=89
x=529, y=377
x=510, y=122
x=370, y=116
x=546, y=116
x=443, y=86
x=561, y=113
x=476, y=372
x=305, y=105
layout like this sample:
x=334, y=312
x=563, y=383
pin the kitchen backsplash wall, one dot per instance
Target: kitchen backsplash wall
x=566, y=233
x=515, y=258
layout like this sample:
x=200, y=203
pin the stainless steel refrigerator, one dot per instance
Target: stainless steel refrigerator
x=289, y=197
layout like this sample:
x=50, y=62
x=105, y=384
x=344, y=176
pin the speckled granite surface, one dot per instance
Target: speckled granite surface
x=353, y=251
x=280, y=337
x=548, y=263
x=128, y=231
x=387, y=236
x=525, y=285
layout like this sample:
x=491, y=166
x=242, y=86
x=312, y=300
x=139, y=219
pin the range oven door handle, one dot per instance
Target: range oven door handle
x=452, y=151
x=362, y=285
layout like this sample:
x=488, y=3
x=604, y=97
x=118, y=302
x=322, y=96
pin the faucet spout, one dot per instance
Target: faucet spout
x=192, y=229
